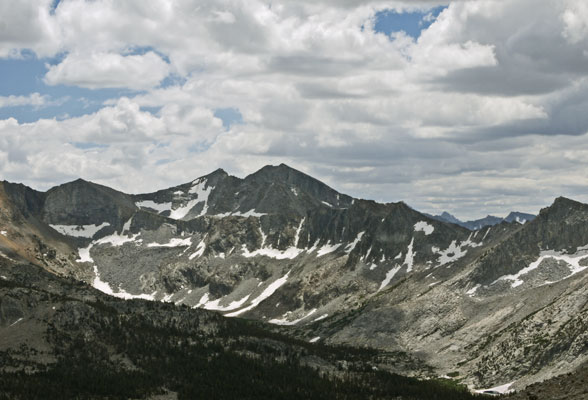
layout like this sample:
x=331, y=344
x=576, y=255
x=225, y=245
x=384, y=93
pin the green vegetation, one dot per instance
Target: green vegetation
x=111, y=353
x=113, y=349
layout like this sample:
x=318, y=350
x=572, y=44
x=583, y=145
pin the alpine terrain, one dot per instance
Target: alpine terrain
x=279, y=273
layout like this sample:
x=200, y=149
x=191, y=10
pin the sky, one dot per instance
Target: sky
x=473, y=107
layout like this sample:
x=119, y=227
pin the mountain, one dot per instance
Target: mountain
x=478, y=224
x=505, y=303
x=489, y=220
x=62, y=339
x=519, y=217
x=446, y=217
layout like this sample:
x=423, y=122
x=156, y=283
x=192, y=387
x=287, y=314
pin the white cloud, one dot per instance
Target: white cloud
x=108, y=70
x=27, y=24
x=34, y=99
x=474, y=104
x=575, y=18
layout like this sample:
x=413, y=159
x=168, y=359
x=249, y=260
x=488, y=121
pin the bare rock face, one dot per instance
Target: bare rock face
x=85, y=203
x=491, y=306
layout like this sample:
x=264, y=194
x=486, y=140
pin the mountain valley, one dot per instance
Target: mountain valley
x=302, y=266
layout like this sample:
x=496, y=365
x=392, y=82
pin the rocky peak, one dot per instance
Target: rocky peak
x=215, y=176
x=298, y=181
x=516, y=216
x=563, y=203
x=26, y=200
x=83, y=203
x=449, y=218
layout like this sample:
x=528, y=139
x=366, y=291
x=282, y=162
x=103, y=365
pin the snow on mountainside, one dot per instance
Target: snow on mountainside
x=280, y=246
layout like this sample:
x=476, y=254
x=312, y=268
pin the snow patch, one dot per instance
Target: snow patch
x=127, y=225
x=199, y=250
x=572, y=260
x=175, y=242
x=314, y=340
x=320, y=318
x=215, y=304
x=84, y=254
x=16, y=322
x=454, y=251
x=502, y=389
x=327, y=248
x=285, y=322
x=181, y=212
x=85, y=231
x=298, y=232
x=289, y=253
x=159, y=207
x=267, y=292
x=250, y=213
x=472, y=291
x=117, y=239
x=3, y=233
x=409, y=259
x=422, y=226
x=201, y=193
x=389, y=277
x=352, y=245
x=203, y=300
x=486, y=234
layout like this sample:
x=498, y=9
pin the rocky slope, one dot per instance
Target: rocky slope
x=497, y=305
x=62, y=339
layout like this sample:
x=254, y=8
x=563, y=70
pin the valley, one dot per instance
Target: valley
x=315, y=274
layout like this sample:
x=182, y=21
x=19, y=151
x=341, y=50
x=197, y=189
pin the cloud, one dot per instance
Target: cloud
x=108, y=70
x=485, y=110
x=34, y=99
x=27, y=25
x=575, y=18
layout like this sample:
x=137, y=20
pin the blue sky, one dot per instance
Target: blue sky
x=27, y=76
x=411, y=23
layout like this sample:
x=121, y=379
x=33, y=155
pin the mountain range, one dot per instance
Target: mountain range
x=501, y=304
x=489, y=220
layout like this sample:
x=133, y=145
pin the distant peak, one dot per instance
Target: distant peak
x=218, y=171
